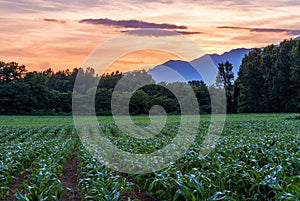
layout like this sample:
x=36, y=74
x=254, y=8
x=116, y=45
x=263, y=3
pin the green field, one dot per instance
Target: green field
x=256, y=158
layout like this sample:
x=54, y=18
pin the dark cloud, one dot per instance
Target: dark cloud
x=150, y=32
x=55, y=20
x=289, y=31
x=231, y=27
x=189, y=32
x=271, y=30
x=131, y=24
x=158, y=33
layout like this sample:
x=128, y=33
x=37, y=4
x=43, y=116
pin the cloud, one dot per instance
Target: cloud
x=150, y=32
x=131, y=24
x=265, y=30
x=158, y=33
x=55, y=20
x=231, y=27
x=29, y=6
x=190, y=32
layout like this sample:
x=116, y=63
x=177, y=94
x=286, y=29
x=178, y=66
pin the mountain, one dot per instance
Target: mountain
x=174, y=70
x=177, y=70
x=234, y=56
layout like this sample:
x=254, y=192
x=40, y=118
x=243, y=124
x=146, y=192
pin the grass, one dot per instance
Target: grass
x=68, y=120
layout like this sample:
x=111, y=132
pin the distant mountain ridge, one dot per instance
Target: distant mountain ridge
x=185, y=71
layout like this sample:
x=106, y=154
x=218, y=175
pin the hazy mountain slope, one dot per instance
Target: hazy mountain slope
x=171, y=70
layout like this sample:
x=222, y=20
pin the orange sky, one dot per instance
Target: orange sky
x=42, y=34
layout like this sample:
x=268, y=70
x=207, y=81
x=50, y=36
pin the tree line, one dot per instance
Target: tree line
x=50, y=93
x=268, y=81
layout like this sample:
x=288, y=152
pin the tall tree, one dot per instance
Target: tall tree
x=268, y=59
x=268, y=79
x=250, y=82
x=225, y=79
x=282, y=85
x=294, y=102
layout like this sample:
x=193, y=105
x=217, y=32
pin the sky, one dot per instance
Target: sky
x=60, y=34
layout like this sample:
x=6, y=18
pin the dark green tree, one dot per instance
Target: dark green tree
x=268, y=79
x=224, y=80
x=268, y=59
x=250, y=82
x=282, y=85
x=294, y=101
x=202, y=94
x=103, y=101
x=109, y=81
x=139, y=103
x=11, y=71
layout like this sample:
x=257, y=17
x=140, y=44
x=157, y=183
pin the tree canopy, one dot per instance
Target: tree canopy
x=268, y=81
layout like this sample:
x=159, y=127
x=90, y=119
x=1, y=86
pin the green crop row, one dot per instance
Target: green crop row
x=19, y=154
x=254, y=160
x=97, y=181
x=43, y=183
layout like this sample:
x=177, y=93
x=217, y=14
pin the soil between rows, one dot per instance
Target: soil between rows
x=70, y=179
x=19, y=179
x=134, y=193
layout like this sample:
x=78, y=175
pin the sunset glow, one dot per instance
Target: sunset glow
x=61, y=34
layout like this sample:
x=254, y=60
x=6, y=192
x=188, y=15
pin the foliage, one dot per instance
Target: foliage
x=256, y=158
x=268, y=79
x=98, y=182
x=225, y=79
x=11, y=71
x=39, y=151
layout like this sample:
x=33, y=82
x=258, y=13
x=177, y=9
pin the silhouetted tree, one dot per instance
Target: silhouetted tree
x=225, y=79
x=11, y=71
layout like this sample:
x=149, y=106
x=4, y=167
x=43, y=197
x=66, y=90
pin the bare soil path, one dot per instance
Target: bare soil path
x=70, y=179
